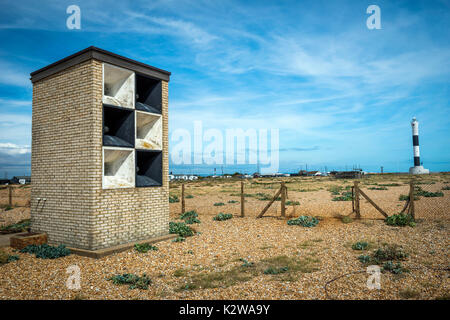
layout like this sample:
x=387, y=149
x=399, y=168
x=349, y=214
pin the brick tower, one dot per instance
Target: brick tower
x=99, y=151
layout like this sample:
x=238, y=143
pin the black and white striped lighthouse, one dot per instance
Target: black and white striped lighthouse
x=417, y=169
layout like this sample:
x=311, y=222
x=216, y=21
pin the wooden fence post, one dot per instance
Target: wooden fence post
x=242, y=199
x=353, y=199
x=10, y=195
x=283, y=200
x=411, y=200
x=182, y=199
x=270, y=203
x=373, y=203
x=357, y=208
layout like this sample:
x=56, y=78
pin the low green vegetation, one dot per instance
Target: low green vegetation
x=21, y=226
x=189, y=196
x=424, y=182
x=419, y=192
x=173, y=198
x=13, y=257
x=360, y=245
x=272, y=270
x=400, y=220
x=181, y=229
x=180, y=273
x=377, y=188
x=7, y=207
x=405, y=197
x=282, y=268
x=388, y=257
x=192, y=221
x=292, y=203
x=335, y=190
x=223, y=216
x=346, y=219
x=389, y=252
x=144, y=247
x=364, y=259
x=134, y=281
x=190, y=217
x=246, y=263
x=304, y=221
x=390, y=185
x=219, y=204
x=345, y=196
x=446, y=188
x=6, y=258
x=45, y=251
x=233, y=201
x=307, y=190
x=428, y=194
x=395, y=268
x=179, y=239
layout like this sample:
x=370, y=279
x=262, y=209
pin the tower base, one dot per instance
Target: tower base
x=418, y=170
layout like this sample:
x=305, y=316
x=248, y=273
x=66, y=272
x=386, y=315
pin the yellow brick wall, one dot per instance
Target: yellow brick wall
x=67, y=168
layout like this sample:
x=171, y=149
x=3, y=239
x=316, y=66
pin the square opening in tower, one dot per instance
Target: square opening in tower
x=118, y=86
x=148, y=94
x=118, y=168
x=148, y=168
x=148, y=131
x=118, y=127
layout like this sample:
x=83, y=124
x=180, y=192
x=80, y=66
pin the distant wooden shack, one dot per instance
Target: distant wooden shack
x=355, y=174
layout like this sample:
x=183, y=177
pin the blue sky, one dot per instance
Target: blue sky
x=339, y=93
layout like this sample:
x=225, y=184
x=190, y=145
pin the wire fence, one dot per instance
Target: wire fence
x=325, y=198
x=15, y=196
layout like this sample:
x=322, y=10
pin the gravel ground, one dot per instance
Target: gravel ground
x=214, y=255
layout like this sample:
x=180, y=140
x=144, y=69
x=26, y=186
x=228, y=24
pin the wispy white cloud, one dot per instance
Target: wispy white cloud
x=12, y=74
x=13, y=149
x=14, y=103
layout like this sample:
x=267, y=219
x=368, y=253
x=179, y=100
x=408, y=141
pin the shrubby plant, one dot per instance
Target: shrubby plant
x=223, y=216
x=181, y=229
x=134, y=281
x=44, y=251
x=400, y=220
x=144, y=247
x=360, y=245
x=304, y=221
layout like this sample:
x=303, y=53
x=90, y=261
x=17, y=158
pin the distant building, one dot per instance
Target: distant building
x=21, y=180
x=354, y=174
x=182, y=177
x=309, y=173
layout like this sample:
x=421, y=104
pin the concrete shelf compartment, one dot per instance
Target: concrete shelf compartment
x=118, y=168
x=148, y=94
x=148, y=168
x=118, y=127
x=148, y=131
x=118, y=86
